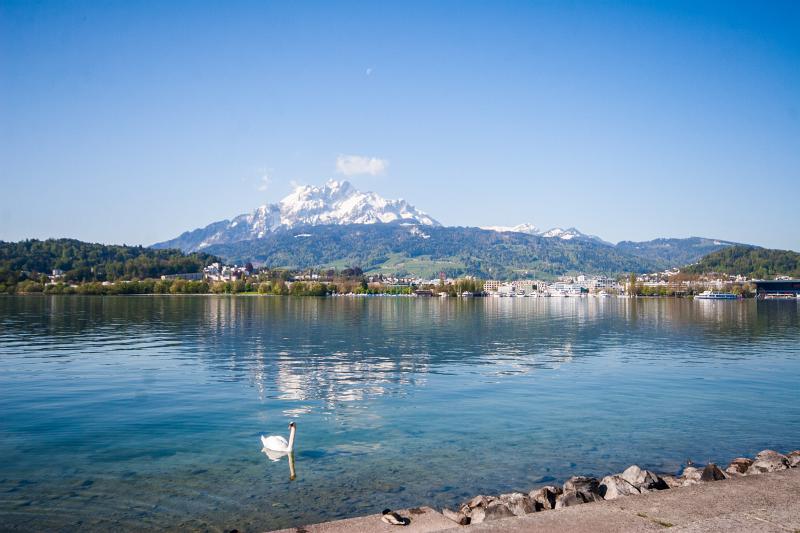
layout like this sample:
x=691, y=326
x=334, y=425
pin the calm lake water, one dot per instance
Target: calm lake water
x=146, y=412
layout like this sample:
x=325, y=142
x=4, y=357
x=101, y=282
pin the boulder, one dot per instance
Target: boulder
x=643, y=479
x=612, y=487
x=579, y=489
x=768, y=461
x=545, y=497
x=690, y=476
x=671, y=481
x=739, y=466
x=518, y=503
x=712, y=473
x=794, y=458
x=456, y=516
x=494, y=511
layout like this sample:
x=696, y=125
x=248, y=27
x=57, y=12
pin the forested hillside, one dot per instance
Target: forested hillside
x=749, y=261
x=82, y=261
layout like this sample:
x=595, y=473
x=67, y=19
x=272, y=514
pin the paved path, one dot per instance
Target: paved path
x=763, y=503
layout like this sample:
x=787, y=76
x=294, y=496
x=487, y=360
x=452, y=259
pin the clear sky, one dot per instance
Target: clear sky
x=134, y=121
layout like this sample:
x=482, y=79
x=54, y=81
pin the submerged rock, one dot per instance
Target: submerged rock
x=739, y=466
x=712, y=473
x=545, y=497
x=768, y=461
x=579, y=489
x=613, y=487
x=794, y=458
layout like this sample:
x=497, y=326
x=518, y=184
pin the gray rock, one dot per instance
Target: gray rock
x=643, y=479
x=494, y=511
x=690, y=476
x=768, y=461
x=739, y=466
x=545, y=497
x=612, y=487
x=458, y=517
x=579, y=489
x=712, y=473
x=518, y=503
x=794, y=458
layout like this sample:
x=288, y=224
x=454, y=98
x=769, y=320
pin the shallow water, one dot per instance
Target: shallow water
x=145, y=412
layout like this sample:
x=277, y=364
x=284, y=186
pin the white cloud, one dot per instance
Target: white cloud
x=264, y=182
x=352, y=165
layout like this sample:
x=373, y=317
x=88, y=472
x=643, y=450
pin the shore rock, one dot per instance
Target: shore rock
x=794, y=458
x=690, y=476
x=578, y=490
x=545, y=497
x=712, y=473
x=518, y=503
x=644, y=480
x=670, y=480
x=768, y=461
x=494, y=511
x=458, y=517
x=739, y=466
x=613, y=487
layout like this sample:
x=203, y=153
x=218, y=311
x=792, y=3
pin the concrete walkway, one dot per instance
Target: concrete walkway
x=756, y=503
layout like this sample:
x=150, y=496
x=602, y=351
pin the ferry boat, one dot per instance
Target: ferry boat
x=711, y=295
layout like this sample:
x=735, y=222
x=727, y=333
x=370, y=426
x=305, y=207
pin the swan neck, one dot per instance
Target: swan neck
x=291, y=438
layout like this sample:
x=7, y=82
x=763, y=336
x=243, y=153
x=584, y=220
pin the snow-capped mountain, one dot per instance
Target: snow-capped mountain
x=336, y=202
x=530, y=229
x=553, y=233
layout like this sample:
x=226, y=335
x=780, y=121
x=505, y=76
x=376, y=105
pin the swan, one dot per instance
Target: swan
x=276, y=443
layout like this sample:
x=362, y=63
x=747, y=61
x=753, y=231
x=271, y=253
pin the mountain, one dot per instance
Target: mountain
x=427, y=250
x=553, y=233
x=750, y=261
x=335, y=203
x=675, y=252
x=336, y=225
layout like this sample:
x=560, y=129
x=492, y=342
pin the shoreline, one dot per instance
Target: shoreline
x=518, y=509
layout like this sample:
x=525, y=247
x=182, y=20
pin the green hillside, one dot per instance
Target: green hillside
x=83, y=261
x=749, y=261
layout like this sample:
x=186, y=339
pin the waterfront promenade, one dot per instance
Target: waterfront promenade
x=758, y=503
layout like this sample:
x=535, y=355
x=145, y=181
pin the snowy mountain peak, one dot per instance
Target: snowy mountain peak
x=553, y=233
x=335, y=202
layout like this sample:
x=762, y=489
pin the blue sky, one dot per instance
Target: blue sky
x=134, y=121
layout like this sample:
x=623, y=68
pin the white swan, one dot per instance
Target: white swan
x=276, y=443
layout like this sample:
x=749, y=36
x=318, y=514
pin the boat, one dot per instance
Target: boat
x=711, y=295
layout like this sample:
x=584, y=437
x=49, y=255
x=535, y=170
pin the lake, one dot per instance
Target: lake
x=145, y=412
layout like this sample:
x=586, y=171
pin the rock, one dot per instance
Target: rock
x=494, y=511
x=612, y=487
x=577, y=490
x=794, y=458
x=690, y=476
x=739, y=466
x=458, y=517
x=518, y=503
x=712, y=473
x=671, y=481
x=643, y=479
x=545, y=497
x=768, y=461
x=479, y=501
